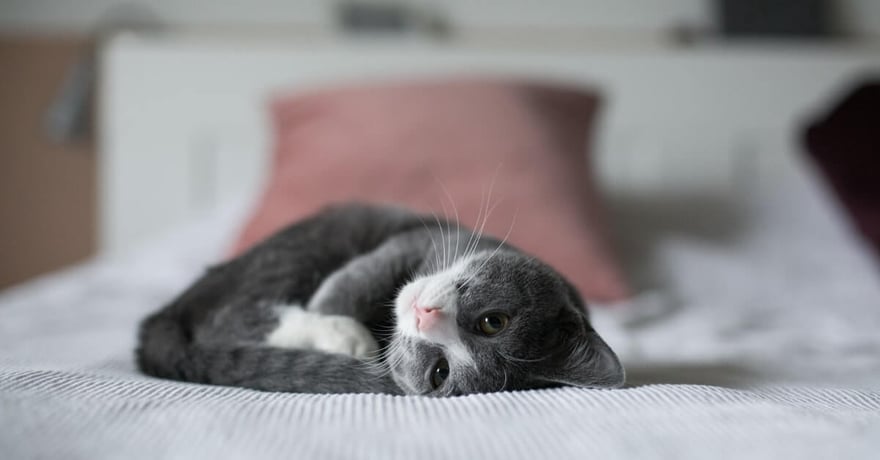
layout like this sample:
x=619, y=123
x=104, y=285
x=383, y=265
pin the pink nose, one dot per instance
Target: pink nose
x=426, y=317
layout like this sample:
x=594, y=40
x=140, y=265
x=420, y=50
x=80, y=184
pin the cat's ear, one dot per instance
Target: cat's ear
x=588, y=362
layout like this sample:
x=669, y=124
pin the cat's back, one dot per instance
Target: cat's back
x=305, y=252
x=342, y=228
x=289, y=266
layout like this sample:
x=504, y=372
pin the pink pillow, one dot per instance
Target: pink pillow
x=398, y=144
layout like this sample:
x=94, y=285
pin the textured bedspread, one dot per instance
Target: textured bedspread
x=762, y=343
x=83, y=415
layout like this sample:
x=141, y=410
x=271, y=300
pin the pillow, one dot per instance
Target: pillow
x=448, y=144
x=845, y=146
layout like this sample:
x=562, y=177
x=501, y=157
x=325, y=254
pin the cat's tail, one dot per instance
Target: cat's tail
x=166, y=350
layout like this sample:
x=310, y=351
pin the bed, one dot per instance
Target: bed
x=753, y=335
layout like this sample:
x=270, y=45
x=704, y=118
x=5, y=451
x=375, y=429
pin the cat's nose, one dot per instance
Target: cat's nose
x=426, y=317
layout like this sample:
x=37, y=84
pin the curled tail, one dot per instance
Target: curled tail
x=166, y=350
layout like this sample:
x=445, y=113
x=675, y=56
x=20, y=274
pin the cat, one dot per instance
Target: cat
x=373, y=299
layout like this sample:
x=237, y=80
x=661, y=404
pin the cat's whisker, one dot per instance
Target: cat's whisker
x=445, y=238
x=474, y=238
x=433, y=242
x=472, y=275
x=454, y=209
x=372, y=362
x=444, y=242
x=489, y=210
x=440, y=228
x=393, y=358
x=504, y=384
x=501, y=244
x=488, y=213
x=378, y=363
x=481, y=216
x=438, y=245
x=481, y=226
x=385, y=332
x=471, y=236
x=520, y=360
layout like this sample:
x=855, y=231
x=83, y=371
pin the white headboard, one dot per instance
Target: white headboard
x=183, y=126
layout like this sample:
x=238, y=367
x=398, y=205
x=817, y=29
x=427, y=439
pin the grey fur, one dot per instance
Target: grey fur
x=352, y=260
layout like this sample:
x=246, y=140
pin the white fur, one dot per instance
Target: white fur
x=298, y=328
x=435, y=291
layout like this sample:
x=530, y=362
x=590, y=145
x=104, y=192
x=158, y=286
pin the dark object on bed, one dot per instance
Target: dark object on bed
x=779, y=18
x=845, y=144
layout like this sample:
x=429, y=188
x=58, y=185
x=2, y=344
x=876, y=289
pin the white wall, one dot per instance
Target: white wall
x=860, y=16
x=208, y=102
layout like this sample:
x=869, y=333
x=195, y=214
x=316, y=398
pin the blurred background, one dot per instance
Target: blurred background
x=49, y=161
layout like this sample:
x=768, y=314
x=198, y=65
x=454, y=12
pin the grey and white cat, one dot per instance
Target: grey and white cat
x=373, y=299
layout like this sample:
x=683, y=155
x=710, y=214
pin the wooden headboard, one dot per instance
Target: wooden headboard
x=184, y=127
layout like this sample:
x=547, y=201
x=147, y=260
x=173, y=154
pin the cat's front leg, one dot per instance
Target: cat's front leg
x=302, y=329
x=358, y=289
x=337, y=295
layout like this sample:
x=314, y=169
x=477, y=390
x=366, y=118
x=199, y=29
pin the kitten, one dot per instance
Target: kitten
x=373, y=299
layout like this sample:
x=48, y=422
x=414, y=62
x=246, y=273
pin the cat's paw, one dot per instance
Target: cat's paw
x=331, y=333
x=341, y=334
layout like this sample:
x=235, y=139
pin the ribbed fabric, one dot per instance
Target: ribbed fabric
x=76, y=414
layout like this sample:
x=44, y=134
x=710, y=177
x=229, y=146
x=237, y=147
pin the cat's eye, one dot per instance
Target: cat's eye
x=440, y=373
x=493, y=323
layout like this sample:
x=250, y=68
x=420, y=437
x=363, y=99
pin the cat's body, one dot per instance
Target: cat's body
x=374, y=299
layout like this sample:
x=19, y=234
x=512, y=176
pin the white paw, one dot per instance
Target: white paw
x=331, y=333
x=341, y=334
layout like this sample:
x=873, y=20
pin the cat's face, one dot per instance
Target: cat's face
x=493, y=323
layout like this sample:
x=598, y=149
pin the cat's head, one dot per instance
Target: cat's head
x=492, y=323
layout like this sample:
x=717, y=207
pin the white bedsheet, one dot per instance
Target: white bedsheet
x=761, y=343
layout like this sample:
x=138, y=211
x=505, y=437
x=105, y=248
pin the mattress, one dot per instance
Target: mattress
x=754, y=336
